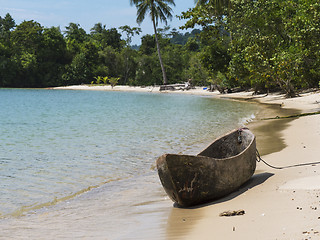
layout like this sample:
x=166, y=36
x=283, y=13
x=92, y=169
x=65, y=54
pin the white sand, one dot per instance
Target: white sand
x=109, y=88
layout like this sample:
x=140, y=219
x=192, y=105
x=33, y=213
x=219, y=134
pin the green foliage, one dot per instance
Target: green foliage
x=215, y=57
x=101, y=79
x=175, y=61
x=34, y=56
x=106, y=37
x=111, y=59
x=192, y=45
x=105, y=80
x=264, y=45
x=76, y=33
x=273, y=43
x=6, y=25
x=27, y=36
x=148, y=71
x=113, y=81
x=128, y=71
x=156, y=9
x=52, y=57
x=148, y=45
x=130, y=32
x=77, y=72
x=196, y=71
x=75, y=36
x=182, y=39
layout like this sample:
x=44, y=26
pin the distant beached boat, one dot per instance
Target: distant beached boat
x=218, y=170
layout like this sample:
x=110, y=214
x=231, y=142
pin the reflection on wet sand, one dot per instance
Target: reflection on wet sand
x=181, y=220
x=268, y=132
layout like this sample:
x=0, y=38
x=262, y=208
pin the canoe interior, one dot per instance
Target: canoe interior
x=229, y=145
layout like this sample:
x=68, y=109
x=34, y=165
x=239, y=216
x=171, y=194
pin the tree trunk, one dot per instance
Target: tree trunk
x=164, y=75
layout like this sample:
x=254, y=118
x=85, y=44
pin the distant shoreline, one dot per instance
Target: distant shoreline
x=125, y=88
x=307, y=102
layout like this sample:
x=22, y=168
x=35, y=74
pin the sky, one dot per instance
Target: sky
x=87, y=13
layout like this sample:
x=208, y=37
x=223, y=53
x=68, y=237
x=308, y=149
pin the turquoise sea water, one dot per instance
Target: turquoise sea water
x=58, y=144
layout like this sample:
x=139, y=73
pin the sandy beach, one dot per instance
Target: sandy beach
x=278, y=204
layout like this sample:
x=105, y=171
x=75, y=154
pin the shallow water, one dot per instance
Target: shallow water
x=88, y=157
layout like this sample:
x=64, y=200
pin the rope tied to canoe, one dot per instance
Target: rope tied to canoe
x=259, y=159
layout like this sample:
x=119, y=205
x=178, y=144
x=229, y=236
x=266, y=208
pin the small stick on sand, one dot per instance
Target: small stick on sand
x=232, y=213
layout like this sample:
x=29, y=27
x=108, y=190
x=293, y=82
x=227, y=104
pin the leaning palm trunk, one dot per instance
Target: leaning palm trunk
x=164, y=75
x=159, y=10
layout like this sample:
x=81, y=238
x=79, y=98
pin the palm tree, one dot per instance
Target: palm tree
x=157, y=10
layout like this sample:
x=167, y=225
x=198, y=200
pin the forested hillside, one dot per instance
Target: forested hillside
x=34, y=56
x=265, y=45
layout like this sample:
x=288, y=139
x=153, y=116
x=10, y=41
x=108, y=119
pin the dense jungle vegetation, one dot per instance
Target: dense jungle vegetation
x=261, y=44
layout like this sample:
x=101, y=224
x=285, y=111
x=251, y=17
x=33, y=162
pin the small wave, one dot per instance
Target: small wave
x=246, y=120
x=30, y=209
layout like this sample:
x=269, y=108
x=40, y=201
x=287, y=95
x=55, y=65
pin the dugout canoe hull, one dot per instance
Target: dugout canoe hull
x=218, y=170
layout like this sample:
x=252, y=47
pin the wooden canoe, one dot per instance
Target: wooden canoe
x=218, y=170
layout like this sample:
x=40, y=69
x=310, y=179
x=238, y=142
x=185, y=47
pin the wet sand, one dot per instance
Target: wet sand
x=278, y=204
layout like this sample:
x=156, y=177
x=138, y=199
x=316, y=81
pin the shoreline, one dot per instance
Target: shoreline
x=278, y=204
x=306, y=102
